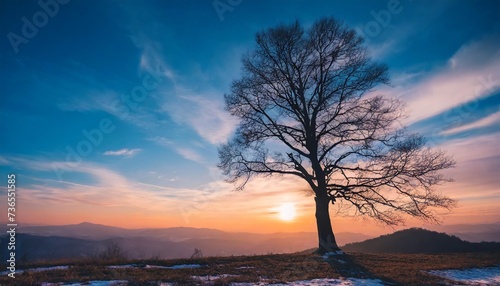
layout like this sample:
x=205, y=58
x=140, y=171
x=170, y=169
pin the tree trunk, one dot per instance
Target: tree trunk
x=326, y=237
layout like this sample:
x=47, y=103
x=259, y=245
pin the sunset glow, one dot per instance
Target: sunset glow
x=287, y=212
x=116, y=119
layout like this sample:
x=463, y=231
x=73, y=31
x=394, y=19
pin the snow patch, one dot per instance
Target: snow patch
x=341, y=281
x=123, y=266
x=91, y=283
x=333, y=253
x=40, y=269
x=180, y=266
x=209, y=278
x=473, y=276
x=325, y=281
x=47, y=268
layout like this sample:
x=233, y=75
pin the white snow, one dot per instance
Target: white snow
x=334, y=256
x=180, y=266
x=334, y=253
x=473, y=276
x=91, y=283
x=47, y=268
x=123, y=266
x=325, y=281
x=346, y=282
x=183, y=266
x=209, y=278
x=313, y=282
x=40, y=269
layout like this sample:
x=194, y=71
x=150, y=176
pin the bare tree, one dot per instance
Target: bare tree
x=305, y=110
x=197, y=253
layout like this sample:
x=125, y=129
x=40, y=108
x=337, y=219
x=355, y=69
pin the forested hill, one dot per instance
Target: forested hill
x=418, y=240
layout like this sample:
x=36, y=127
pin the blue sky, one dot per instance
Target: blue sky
x=153, y=73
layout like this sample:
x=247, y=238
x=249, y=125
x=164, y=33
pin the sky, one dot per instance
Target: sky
x=112, y=111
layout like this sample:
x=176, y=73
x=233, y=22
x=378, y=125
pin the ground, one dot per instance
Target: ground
x=338, y=269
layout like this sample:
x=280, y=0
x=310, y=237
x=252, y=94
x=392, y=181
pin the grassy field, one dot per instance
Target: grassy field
x=395, y=269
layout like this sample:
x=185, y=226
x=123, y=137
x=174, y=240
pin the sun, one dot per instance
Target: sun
x=287, y=212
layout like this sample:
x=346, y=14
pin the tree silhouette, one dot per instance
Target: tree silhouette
x=306, y=110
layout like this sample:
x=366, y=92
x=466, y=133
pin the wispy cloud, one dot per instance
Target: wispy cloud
x=190, y=154
x=134, y=103
x=471, y=73
x=3, y=161
x=484, y=122
x=382, y=49
x=109, y=188
x=475, y=176
x=265, y=193
x=473, y=148
x=122, y=152
x=93, y=101
x=203, y=113
x=182, y=149
x=162, y=141
x=151, y=60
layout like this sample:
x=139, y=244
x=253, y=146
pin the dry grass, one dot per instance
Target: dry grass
x=397, y=269
x=409, y=269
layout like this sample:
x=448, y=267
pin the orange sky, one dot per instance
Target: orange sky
x=157, y=166
x=255, y=209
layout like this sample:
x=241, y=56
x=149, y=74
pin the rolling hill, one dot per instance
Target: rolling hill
x=36, y=243
x=93, y=231
x=417, y=240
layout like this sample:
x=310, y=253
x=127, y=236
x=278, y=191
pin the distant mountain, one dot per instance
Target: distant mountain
x=471, y=232
x=459, y=228
x=417, y=240
x=92, y=231
x=83, y=230
x=344, y=238
x=34, y=248
x=492, y=236
x=87, y=239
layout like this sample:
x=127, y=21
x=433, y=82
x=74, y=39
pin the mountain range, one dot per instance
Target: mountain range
x=471, y=232
x=88, y=239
